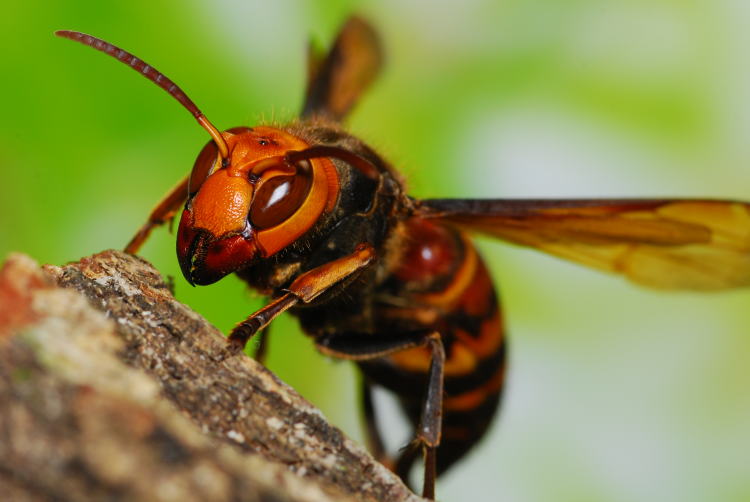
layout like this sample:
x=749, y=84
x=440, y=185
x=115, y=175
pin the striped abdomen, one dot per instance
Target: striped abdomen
x=442, y=284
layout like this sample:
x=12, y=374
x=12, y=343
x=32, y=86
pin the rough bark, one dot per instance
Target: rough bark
x=111, y=389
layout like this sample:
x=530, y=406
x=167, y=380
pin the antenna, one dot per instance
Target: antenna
x=153, y=75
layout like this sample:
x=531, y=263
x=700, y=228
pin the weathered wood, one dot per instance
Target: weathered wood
x=111, y=389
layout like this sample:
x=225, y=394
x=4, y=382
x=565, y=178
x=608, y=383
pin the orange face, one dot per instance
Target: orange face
x=252, y=204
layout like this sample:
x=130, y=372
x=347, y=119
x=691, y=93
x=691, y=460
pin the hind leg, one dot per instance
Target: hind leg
x=364, y=347
x=374, y=438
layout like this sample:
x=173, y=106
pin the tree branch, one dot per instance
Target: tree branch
x=110, y=388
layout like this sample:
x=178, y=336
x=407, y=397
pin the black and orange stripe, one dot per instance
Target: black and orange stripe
x=448, y=289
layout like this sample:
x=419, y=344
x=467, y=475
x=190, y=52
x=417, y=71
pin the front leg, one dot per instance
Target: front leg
x=305, y=289
x=164, y=211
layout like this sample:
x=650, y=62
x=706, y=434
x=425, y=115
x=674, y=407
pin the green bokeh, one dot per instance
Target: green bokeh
x=615, y=393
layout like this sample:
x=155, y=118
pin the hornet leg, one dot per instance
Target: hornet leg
x=374, y=439
x=363, y=347
x=305, y=288
x=162, y=213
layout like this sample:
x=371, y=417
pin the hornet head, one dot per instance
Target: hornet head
x=251, y=193
x=251, y=203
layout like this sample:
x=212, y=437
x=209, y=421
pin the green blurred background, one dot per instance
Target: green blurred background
x=616, y=393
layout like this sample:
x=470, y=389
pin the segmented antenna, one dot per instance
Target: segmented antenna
x=153, y=75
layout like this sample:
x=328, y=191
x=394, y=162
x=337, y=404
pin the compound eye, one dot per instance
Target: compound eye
x=204, y=164
x=278, y=198
x=207, y=161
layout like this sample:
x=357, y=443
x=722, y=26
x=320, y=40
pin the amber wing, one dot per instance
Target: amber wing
x=670, y=244
x=336, y=81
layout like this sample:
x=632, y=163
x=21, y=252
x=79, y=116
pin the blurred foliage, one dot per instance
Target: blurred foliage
x=615, y=393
